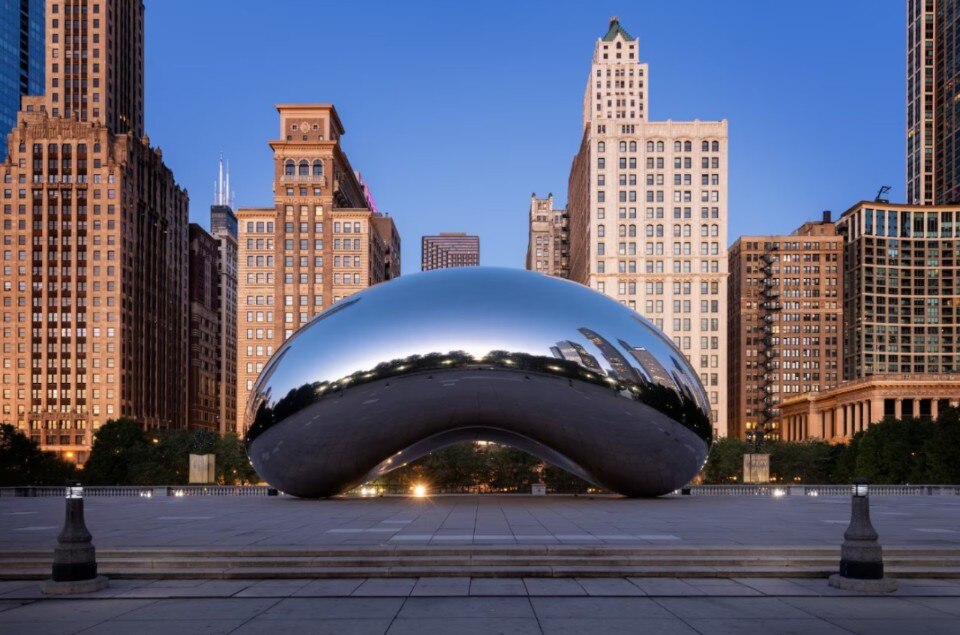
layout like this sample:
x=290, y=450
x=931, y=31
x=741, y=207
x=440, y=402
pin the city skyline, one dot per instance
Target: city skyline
x=794, y=156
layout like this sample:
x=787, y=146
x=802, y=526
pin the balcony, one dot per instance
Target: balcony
x=311, y=179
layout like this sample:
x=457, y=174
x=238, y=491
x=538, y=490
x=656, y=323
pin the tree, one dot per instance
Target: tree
x=119, y=446
x=725, y=461
x=943, y=448
x=801, y=462
x=233, y=466
x=22, y=462
x=894, y=451
x=165, y=460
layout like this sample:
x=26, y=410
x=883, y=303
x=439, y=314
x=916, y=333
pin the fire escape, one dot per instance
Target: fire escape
x=767, y=369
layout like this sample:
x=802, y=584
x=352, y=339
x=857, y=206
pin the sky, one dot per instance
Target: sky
x=455, y=112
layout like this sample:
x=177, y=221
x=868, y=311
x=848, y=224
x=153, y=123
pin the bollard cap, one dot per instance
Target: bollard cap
x=860, y=487
x=74, y=489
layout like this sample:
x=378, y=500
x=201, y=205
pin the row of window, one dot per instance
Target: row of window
x=658, y=146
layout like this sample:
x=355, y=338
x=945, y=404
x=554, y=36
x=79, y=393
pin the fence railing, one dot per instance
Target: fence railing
x=774, y=491
x=144, y=491
x=818, y=490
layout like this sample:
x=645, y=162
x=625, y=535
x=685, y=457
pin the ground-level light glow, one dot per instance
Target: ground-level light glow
x=419, y=491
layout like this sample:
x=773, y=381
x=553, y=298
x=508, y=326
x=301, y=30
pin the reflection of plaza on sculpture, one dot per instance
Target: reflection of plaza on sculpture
x=479, y=354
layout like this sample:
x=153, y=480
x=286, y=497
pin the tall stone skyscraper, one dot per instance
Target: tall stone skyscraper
x=21, y=59
x=786, y=314
x=224, y=228
x=319, y=243
x=933, y=89
x=95, y=243
x=548, y=241
x=648, y=211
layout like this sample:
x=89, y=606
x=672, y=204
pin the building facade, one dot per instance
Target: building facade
x=203, y=382
x=647, y=205
x=933, y=129
x=837, y=414
x=548, y=244
x=784, y=322
x=901, y=267
x=449, y=249
x=318, y=243
x=21, y=59
x=95, y=306
x=224, y=228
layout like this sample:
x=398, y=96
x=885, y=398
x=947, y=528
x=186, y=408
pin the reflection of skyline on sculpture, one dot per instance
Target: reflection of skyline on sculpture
x=432, y=359
x=447, y=332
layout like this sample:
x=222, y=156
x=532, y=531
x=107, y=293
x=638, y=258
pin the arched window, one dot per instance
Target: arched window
x=716, y=146
x=714, y=230
x=317, y=167
x=686, y=231
x=601, y=146
x=67, y=148
x=289, y=168
x=659, y=231
x=601, y=231
x=649, y=146
x=633, y=231
x=677, y=146
x=650, y=231
x=659, y=146
x=705, y=146
x=687, y=146
x=633, y=146
x=304, y=168
x=704, y=230
x=623, y=231
x=623, y=146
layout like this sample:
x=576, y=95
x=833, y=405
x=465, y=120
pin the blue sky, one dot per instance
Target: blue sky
x=455, y=112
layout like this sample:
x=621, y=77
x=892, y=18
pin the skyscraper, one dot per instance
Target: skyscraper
x=224, y=228
x=203, y=385
x=21, y=59
x=933, y=89
x=647, y=203
x=548, y=239
x=95, y=279
x=449, y=249
x=785, y=317
x=901, y=281
x=318, y=243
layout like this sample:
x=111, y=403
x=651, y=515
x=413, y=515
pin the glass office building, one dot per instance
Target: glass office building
x=21, y=59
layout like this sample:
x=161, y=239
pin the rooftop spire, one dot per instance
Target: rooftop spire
x=615, y=29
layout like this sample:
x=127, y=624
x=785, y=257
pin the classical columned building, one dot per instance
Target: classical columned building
x=647, y=205
x=319, y=243
x=838, y=414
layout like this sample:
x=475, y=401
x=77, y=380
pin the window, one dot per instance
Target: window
x=317, y=167
x=288, y=168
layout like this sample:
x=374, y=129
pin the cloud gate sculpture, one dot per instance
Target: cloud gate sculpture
x=428, y=360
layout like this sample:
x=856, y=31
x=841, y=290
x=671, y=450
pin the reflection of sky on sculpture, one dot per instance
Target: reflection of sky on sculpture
x=442, y=311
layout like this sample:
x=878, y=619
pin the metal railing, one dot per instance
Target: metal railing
x=766, y=490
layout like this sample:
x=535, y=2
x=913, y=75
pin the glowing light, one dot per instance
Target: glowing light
x=178, y=493
x=777, y=493
x=555, y=369
x=69, y=455
x=419, y=491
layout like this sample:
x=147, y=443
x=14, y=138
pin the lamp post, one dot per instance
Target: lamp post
x=861, y=556
x=74, y=557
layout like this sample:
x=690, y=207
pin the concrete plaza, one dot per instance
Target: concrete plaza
x=919, y=521
x=462, y=606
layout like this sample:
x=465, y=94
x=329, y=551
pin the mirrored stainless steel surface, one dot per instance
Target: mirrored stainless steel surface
x=404, y=368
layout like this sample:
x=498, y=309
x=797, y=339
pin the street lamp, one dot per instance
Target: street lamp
x=861, y=556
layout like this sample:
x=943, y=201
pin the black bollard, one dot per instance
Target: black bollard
x=861, y=556
x=74, y=557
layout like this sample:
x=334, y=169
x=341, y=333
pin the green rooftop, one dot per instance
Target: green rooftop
x=614, y=29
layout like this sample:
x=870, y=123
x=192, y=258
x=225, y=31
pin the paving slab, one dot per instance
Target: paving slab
x=598, y=520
